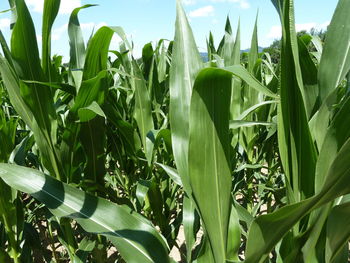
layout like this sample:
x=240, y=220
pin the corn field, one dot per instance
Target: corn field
x=111, y=157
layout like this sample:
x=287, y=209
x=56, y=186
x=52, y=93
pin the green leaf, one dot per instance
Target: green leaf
x=90, y=112
x=234, y=235
x=189, y=220
x=240, y=72
x=91, y=90
x=85, y=247
x=240, y=124
x=172, y=173
x=11, y=82
x=334, y=65
x=39, y=99
x=254, y=47
x=51, y=8
x=25, y=55
x=134, y=237
x=185, y=65
x=255, y=107
x=6, y=50
x=309, y=75
x=97, y=52
x=236, y=96
x=77, y=46
x=261, y=239
x=143, y=110
x=208, y=157
x=337, y=134
x=335, y=60
x=337, y=234
x=297, y=150
x=228, y=47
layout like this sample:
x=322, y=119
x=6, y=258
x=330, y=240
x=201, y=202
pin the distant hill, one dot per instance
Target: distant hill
x=204, y=55
x=260, y=49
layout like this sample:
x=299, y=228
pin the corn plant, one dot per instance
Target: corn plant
x=247, y=158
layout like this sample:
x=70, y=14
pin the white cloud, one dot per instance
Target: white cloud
x=202, y=12
x=276, y=31
x=5, y=23
x=66, y=6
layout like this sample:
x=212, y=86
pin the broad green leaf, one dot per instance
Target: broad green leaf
x=11, y=82
x=91, y=90
x=337, y=134
x=208, y=157
x=51, y=8
x=77, y=46
x=26, y=55
x=92, y=133
x=297, y=150
x=97, y=52
x=334, y=65
x=335, y=60
x=338, y=234
x=134, y=237
x=143, y=110
x=185, y=65
x=39, y=99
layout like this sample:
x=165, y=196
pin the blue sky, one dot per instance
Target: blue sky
x=151, y=20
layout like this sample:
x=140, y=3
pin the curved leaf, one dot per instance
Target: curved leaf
x=77, y=46
x=134, y=236
x=261, y=239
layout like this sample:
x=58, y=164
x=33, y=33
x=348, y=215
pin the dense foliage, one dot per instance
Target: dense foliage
x=111, y=158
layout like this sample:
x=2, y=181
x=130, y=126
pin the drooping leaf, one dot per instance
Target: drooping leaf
x=261, y=240
x=134, y=236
